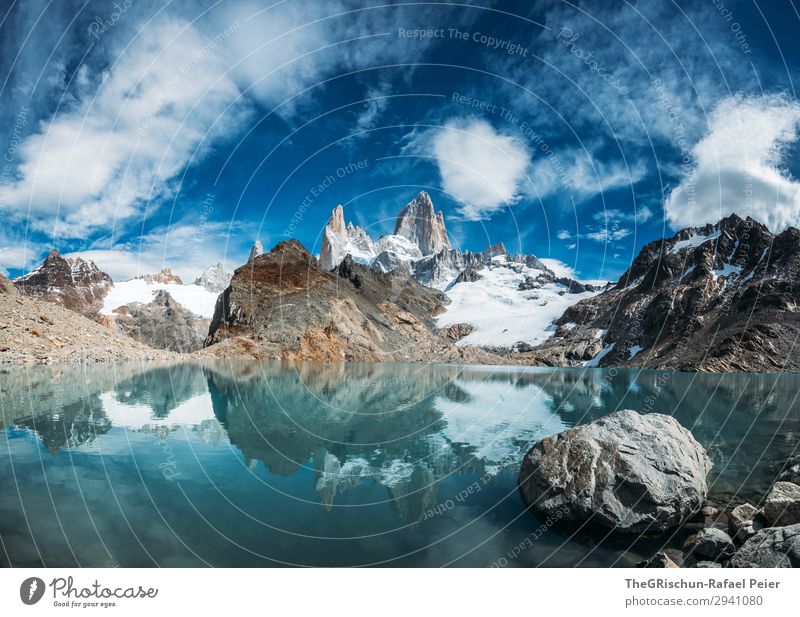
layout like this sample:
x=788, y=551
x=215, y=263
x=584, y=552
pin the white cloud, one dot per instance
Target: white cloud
x=153, y=113
x=559, y=267
x=737, y=166
x=479, y=167
x=563, y=234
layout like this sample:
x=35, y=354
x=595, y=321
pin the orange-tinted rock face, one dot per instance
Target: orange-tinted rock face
x=287, y=306
x=164, y=277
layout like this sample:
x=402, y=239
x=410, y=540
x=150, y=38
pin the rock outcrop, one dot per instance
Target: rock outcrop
x=722, y=297
x=743, y=522
x=791, y=471
x=74, y=283
x=420, y=223
x=161, y=324
x=628, y=472
x=214, y=279
x=773, y=547
x=284, y=304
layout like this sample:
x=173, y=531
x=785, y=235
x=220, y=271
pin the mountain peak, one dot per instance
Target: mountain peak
x=419, y=223
x=73, y=283
x=339, y=240
x=214, y=279
x=164, y=277
x=256, y=250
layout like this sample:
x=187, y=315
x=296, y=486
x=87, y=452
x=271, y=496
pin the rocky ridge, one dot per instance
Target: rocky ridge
x=721, y=297
x=74, y=283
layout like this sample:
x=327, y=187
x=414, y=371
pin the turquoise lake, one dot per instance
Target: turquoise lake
x=280, y=464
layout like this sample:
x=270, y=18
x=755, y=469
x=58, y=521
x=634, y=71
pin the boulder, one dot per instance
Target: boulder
x=782, y=505
x=712, y=544
x=791, y=471
x=773, y=547
x=659, y=560
x=629, y=472
x=743, y=522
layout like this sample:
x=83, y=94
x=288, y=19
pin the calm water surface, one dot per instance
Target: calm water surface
x=271, y=464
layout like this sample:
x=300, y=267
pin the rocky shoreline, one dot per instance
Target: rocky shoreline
x=633, y=474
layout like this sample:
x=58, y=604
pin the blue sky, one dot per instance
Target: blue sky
x=145, y=134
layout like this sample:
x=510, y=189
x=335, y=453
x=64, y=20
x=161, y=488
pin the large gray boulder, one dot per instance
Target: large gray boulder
x=782, y=505
x=773, y=547
x=629, y=472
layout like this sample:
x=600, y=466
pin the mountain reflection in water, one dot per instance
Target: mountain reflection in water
x=252, y=463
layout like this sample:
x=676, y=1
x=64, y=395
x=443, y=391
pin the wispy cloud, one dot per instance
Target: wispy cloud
x=155, y=111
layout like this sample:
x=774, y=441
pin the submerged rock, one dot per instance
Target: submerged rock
x=629, y=472
x=774, y=547
x=782, y=506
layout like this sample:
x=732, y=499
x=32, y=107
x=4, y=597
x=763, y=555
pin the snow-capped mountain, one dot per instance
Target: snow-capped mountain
x=496, y=300
x=165, y=276
x=340, y=240
x=721, y=297
x=419, y=231
x=215, y=279
x=73, y=283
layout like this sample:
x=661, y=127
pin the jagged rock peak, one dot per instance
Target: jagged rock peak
x=339, y=240
x=419, y=223
x=256, y=250
x=493, y=250
x=164, y=277
x=214, y=279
